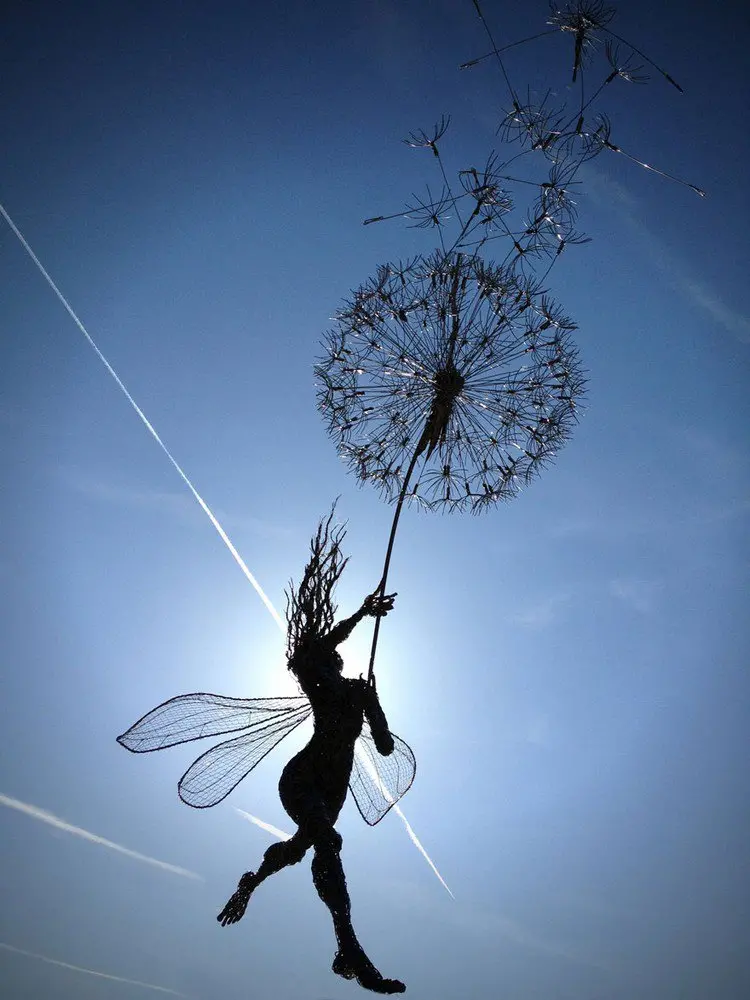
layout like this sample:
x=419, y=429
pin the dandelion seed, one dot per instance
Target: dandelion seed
x=421, y=140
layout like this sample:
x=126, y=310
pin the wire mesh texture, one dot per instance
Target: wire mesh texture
x=376, y=782
x=463, y=361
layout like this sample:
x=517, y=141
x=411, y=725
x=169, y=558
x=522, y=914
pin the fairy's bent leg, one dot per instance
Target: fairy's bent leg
x=282, y=854
x=294, y=787
x=278, y=856
x=350, y=962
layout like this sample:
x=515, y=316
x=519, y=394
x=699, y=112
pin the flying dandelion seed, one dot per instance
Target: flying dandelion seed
x=582, y=18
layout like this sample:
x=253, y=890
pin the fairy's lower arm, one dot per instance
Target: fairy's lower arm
x=378, y=723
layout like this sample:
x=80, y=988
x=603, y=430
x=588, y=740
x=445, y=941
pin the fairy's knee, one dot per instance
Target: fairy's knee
x=328, y=840
x=287, y=852
x=297, y=848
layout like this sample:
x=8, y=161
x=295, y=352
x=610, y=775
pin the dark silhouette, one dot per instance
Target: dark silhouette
x=313, y=787
x=314, y=783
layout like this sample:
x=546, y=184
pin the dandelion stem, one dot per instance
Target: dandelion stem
x=643, y=55
x=389, y=553
x=662, y=173
x=447, y=183
x=495, y=50
x=504, y=48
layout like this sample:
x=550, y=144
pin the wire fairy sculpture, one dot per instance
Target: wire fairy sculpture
x=351, y=749
x=451, y=380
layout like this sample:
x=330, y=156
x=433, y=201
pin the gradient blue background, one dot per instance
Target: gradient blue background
x=571, y=669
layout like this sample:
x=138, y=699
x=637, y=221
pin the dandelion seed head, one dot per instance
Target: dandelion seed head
x=464, y=359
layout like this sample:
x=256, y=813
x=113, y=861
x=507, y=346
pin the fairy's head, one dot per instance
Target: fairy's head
x=310, y=608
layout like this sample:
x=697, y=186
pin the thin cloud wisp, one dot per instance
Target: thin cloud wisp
x=60, y=824
x=89, y=972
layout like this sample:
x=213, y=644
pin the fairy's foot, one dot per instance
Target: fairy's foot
x=235, y=908
x=358, y=966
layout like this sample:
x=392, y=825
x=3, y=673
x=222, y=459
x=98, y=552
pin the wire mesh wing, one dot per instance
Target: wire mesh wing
x=215, y=773
x=195, y=716
x=378, y=782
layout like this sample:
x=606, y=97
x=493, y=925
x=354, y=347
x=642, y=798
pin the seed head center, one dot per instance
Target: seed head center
x=449, y=384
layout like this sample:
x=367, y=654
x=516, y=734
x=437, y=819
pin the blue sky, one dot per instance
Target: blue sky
x=571, y=668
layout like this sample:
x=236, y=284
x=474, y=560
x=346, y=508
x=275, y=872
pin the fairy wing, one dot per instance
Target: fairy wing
x=378, y=782
x=215, y=773
x=195, y=716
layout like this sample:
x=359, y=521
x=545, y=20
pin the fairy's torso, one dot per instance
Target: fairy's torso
x=337, y=702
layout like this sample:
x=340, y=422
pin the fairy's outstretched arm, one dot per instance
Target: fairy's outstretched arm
x=375, y=605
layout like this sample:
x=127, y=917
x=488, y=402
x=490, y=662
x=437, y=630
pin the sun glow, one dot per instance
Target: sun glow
x=354, y=654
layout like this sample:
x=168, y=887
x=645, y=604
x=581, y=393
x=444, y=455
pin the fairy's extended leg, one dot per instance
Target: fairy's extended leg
x=278, y=856
x=351, y=962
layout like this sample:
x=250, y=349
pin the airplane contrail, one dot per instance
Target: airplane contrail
x=417, y=843
x=89, y=972
x=146, y=422
x=372, y=771
x=60, y=824
x=268, y=827
x=204, y=506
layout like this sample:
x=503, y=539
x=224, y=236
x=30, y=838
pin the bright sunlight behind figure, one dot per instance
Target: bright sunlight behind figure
x=218, y=188
x=347, y=714
x=202, y=503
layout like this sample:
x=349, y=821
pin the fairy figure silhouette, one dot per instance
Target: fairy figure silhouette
x=351, y=748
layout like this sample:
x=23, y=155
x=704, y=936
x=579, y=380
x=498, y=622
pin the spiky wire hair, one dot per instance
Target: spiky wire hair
x=310, y=608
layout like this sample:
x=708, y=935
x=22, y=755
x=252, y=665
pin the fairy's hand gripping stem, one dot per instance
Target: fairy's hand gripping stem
x=378, y=605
